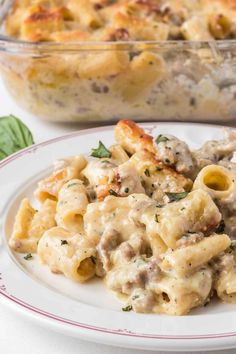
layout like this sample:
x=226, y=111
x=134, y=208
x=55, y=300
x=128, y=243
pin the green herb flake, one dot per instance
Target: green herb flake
x=127, y=190
x=14, y=136
x=28, y=257
x=156, y=218
x=105, y=161
x=147, y=172
x=158, y=169
x=221, y=227
x=72, y=184
x=112, y=192
x=139, y=262
x=64, y=242
x=135, y=297
x=93, y=259
x=232, y=247
x=101, y=151
x=127, y=308
x=174, y=197
x=161, y=139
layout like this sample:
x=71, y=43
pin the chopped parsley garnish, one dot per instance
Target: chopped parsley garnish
x=127, y=308
x=93, y=259
x=127, y=190
x=232, y=247
x=72, y=184
x=105, y=161
x=28, y=256
x=159, y=169
x=161, y=139
x=156, y=218
x=139, y=261
x=135, y=297
x=174, y=197
x=64, y=242
x=221, y=227
x=101, y=151
x=112, y=192
x=147, y=172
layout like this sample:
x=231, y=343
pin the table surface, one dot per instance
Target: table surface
x=17, y=334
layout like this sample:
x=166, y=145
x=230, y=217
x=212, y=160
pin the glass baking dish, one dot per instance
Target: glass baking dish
x=106, y=81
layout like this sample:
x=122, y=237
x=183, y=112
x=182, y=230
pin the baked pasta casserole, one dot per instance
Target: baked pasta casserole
x=98, y=60
x=121, y=20
x=152, y=218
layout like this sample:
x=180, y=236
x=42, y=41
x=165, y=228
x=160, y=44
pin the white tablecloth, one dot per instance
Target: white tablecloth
x=18, y=335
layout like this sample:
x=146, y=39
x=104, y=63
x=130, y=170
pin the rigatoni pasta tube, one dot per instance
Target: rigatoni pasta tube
x=103, y=64
x=65, y=169
x=216, y=180
x=145, y=70
x=226, y=285
x=71, y=206
x=196, y=213
x=30, y=225
x=186, y=260
x=177, y=296
x=118, y=154
x=132, y=137
x=84, y=12
x=67, y=253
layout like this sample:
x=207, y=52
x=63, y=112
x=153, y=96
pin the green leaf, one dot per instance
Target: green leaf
x=174, y=197
x=156, y=217
x=221, y=227
x=64, y=242
x=14, y=136
x=101, y=151
x=161, y=139
x=232, y=247
x=28, y=257
x=147, y=172
x=72, y=184
x=127, y=308
x=93, y=259
x=112, y=192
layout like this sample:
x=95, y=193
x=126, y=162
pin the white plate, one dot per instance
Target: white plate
x=89, y=311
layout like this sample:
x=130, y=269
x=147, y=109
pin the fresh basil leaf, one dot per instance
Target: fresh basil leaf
x=101, y=151
x=14, y=136
x=174, y=197
x=161, y=139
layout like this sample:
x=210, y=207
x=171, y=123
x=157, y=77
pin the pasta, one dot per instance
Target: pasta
x=71, y=206
x=122, y=20
x=64, y=171
x=151, y=217
x=31, y=224
x=216, y=180
x=67, y=253
x=117, y=57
